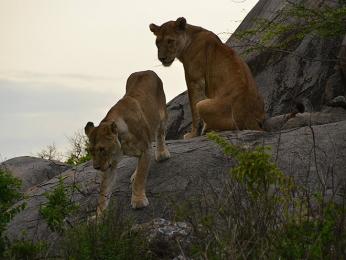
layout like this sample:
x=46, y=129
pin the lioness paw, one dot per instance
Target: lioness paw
x=162, y=155
x=189, y=135
x=139, y=202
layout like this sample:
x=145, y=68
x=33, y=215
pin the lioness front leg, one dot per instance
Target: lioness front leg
x=196, y=93
x=139, y=199
x=105, y=191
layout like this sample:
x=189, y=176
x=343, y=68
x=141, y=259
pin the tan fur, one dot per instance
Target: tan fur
x=222, y=91
x=128, y=129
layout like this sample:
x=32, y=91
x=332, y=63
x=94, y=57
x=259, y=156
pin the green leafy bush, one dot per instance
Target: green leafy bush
x=76, y=154
x=254, y=168
x=26, y=249
x=9, y=194
x=262, y=214
x=58, y=207
x=112, y=237
x=78, y=149
x=293, y=23
x=320, y=236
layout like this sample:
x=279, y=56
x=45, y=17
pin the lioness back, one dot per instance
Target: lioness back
x=147, y=89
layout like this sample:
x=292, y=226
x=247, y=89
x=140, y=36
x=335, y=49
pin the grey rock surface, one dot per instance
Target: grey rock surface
x=32, y=171
x=313, y=155
x=167, y=238
x=179, y=117
x=300, y=71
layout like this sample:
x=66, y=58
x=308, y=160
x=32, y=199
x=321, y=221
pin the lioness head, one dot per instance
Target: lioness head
x=170, y=39
x=104, y=145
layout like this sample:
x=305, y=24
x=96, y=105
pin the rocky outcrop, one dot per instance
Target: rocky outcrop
x=167, y=239
x=313, y=155
x=299, y=72
x=179, y=117
x=32, y=171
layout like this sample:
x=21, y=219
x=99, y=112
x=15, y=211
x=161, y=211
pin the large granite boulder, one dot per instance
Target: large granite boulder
x=32, y=171
x=300, y=71
x=313, y=155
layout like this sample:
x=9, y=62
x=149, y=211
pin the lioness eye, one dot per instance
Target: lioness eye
x=170, y=41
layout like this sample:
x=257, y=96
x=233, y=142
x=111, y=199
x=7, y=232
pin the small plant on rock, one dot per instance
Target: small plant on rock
x=58, y=207
x=9, y=194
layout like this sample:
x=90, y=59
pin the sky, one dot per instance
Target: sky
x=65, y=62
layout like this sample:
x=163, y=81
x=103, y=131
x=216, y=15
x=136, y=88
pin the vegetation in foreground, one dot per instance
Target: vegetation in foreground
x=111, y=237
x=263, y=214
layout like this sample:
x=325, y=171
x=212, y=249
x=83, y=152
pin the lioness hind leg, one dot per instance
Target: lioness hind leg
x=139, y=198
x=216, y=115
x=161, y=152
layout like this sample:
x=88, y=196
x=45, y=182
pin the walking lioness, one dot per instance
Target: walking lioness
x=222, y=91
x=128, y=129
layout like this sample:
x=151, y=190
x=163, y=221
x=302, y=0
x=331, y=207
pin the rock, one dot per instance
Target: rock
x=339, y=101
x=33, y=171
x=197, y=167
x=167, y=239
x=326, y=116
x=300, y=72
x=342, y=57
x=335, y=90
x=179, y=117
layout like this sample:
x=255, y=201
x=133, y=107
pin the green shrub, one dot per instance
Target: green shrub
x=322, y=236
x=9, y=194
x=262, y=214
x=294, y=22
x=111, y=238
x=58, y=207
x=255, y=169
x=78, y=152
x=26, y=249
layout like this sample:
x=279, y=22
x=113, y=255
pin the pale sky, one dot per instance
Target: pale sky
x=65, y=62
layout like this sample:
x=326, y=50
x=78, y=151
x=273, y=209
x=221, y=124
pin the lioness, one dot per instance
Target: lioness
x=222, y=91
x=128, y=129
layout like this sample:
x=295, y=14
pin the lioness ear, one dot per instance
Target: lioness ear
x=114, y=128
x=154, y=28
x=181, y=23
x=88, y=128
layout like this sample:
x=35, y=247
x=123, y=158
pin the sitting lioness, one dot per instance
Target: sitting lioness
x=222, y=91
x=128, y=129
